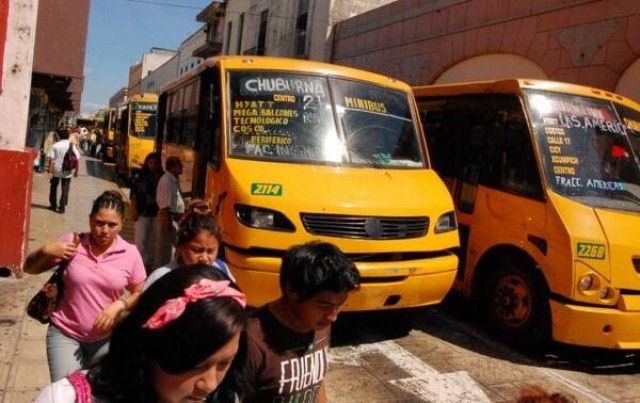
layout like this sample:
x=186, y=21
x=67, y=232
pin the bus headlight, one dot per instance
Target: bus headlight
x=606, y=293
x=446, y=222
x=257, y=217
x=586, y=282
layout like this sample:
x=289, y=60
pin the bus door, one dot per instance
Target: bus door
x=481, y=147
x=209, y=142
x=121, y=140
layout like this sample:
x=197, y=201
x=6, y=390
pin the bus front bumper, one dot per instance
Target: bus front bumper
x=604, y=327
x=384, y=285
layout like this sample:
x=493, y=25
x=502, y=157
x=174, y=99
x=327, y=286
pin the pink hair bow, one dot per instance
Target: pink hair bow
x=205, y=288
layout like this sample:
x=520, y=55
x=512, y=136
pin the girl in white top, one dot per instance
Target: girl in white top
x=198, y=241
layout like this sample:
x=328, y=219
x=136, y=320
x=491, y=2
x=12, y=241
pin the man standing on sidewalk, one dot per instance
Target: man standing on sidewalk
x=56, y=173
x=170, y=207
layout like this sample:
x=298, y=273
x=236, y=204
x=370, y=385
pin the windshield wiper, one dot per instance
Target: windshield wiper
x=623, y=195
x=370, y=160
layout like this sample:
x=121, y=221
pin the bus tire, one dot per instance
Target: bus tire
x=515, y=304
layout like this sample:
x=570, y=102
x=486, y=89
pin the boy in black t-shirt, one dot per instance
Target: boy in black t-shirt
x=288, y=339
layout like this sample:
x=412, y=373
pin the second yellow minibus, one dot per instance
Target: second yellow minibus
x=135, y=133
x=288, y=151
x=545, y=177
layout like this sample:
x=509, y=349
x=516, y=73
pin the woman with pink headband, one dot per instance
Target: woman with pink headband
x=176, y=345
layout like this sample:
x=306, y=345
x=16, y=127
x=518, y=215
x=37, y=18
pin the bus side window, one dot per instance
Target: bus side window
x=174, y=118
x=190, y=115
x=519, y=173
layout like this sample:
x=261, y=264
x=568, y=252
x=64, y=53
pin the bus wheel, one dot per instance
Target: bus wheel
x=516, y=306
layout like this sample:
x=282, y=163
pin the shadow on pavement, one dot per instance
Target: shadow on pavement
x=457, y=322
x=554, y=355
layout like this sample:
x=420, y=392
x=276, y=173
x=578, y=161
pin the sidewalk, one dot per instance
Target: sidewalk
x=23, y=362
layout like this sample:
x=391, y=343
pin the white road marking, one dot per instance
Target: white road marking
x=424, y=382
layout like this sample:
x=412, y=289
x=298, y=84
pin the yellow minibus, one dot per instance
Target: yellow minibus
x=135, y=132
x=546, y=183
x=289, y=151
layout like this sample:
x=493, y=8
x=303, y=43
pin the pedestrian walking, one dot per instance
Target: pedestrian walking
x=49, y=141
x=58, y=175
x=288, y=339
x=170, y=208
x=143, y=208
x=176, y=345
x=198, y=241
x=101, y=266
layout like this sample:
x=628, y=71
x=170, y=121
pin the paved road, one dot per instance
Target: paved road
x=432, y=354
x=438, y=355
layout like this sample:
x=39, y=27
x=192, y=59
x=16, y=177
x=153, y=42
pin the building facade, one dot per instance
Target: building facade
x=58, y=64
x=213, y=18
x=589, y=42
x=156, y=79
x=287, y=28
x=150, y=61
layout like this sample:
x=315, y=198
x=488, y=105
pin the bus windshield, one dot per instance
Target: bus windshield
x=143, y=120
x=289, y=117
x=589, y=148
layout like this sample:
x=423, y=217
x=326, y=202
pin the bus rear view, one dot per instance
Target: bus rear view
x=301, y=151
x=546, y=181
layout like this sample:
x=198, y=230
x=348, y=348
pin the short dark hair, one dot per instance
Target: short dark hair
x=206, y=325
x=172, y=162
x=63, y=134
x=150, y=157
x=316, y=267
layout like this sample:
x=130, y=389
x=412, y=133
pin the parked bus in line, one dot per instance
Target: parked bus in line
x=109, y=135
x=288, y=151
x=545, y=178
x=135, y=132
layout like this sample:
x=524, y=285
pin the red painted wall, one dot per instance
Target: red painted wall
x=15, y=206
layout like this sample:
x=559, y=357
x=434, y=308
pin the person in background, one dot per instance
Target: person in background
x=57, y=175
x=288, y=339
x=74, y=136
x=93, y=141
x=143, y=208
x=83, y=134
x=170, y=208
x=101, y=267
x=176, y=345
x=198, y=241
x=49, y=141
x=34, y=139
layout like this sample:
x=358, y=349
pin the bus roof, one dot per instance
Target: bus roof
x=235, y=62
x=512, y=85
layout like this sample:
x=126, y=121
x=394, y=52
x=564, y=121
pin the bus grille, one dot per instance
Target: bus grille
x=365, y=227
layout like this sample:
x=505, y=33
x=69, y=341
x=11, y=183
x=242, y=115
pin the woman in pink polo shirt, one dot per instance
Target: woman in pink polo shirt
x=102, y=266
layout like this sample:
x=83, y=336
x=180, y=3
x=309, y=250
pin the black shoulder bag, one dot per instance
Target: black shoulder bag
x=47, y=299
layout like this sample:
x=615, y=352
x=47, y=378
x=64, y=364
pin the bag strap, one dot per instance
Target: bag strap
x=64, y=263
x=82, y=387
